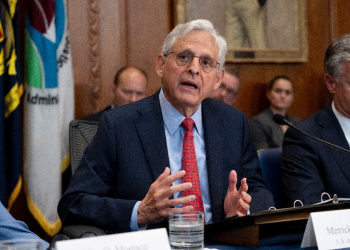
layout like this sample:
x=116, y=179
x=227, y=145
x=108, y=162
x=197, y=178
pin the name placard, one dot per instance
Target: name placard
x=156, y=239
x=328, y=230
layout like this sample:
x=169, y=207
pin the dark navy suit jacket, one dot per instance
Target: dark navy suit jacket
x=129, y=152
x=310, y=167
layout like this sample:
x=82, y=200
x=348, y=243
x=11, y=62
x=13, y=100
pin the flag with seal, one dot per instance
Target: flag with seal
x=48, y=108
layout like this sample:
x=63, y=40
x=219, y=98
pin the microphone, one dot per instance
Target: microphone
x=281, y=120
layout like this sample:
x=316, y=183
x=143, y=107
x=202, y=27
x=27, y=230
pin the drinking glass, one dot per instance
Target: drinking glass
x=186, y=230
x=21, y=244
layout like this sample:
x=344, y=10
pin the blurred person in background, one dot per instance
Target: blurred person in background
x=266, y=133
x=229, y=87
x=129, y=86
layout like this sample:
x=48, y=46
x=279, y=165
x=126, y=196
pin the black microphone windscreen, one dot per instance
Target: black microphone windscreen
x=279, y=119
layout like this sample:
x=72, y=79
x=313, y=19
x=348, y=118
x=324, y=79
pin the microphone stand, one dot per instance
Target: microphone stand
x=281, y=120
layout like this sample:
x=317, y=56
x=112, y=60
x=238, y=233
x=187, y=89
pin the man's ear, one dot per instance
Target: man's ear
x=160, y=61
x=219, y=76
x=330, y=83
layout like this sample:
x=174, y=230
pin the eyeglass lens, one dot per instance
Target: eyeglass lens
x=184, y=57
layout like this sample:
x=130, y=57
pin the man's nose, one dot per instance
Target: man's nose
x=194, y=65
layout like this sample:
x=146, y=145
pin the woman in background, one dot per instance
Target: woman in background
x=266, y=133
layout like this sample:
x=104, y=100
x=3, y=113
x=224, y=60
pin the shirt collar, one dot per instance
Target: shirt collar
x=343, y=120
x=173, y=118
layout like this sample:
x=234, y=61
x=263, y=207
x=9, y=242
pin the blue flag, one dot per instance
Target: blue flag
x=11, y=90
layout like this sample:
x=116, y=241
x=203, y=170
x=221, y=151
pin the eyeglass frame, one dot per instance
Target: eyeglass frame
x=199, y=58
x=230, y=91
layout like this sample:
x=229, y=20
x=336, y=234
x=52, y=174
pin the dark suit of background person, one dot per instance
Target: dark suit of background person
x=128, y=155
x=310, y=167
x=129, y=86
x=266, y=133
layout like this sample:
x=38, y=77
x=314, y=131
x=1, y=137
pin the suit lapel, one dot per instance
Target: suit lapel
x=214, y=141
x=332, y=132
x=150, y=128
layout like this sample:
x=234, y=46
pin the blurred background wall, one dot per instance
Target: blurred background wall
x=107, y=34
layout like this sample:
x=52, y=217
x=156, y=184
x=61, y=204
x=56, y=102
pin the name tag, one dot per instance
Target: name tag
x=328, y=230
x=156, y=239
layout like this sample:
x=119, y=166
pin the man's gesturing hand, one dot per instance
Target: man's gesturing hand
x=237, y=201
x=156, y=205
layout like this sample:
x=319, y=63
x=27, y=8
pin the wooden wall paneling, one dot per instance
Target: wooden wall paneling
x=321, y=33
x=94, y=71
x=148, y=25
x=98, y=30
x=312, y=94
x=78, y=30
x=308, y=77
x=132, y=32
x=252, y=97
x=113, y=46
x=78, y=26
x=341, y=23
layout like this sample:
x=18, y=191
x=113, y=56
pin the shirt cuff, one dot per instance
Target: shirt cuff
x=134, y=226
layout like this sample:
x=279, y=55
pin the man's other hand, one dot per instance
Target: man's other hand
x=156, y=205
x=237, y=201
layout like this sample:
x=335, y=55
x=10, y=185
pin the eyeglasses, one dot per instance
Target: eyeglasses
x=185, y=57
x=229, y=91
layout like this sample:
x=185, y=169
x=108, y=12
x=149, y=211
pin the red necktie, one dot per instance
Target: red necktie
x=189, y=164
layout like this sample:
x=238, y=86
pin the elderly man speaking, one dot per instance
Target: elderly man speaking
x=176, y=150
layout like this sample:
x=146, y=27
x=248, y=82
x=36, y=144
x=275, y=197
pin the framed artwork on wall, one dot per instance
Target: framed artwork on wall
x=256, y=31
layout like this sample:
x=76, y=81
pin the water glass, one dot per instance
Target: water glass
x=186, y=230
x=21, y=244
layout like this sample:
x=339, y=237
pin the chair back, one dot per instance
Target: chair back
x=81, y=133
x=271, y=167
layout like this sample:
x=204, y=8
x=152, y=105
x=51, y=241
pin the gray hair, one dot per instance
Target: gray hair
x=337, y=52
x=182, y=30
